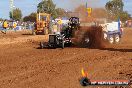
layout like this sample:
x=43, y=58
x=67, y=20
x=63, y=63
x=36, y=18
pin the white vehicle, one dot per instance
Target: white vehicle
x=112, y=32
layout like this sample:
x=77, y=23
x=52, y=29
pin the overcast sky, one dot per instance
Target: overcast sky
x=28, y=6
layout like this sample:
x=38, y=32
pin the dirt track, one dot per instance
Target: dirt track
x=22, y=65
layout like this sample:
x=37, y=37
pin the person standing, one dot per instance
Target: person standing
x=5, y=26
x=14, y=26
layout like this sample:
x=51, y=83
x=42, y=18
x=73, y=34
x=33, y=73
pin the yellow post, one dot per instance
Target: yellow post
x=89, y=11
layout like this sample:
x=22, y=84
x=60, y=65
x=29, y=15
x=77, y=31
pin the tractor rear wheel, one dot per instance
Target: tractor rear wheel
x=88, y=41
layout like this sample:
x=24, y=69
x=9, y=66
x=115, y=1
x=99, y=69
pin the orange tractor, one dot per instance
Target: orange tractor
x=42, y=23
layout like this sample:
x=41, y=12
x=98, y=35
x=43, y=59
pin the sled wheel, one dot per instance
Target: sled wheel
x=105, y=35
x=111, y=39
x=117, y=38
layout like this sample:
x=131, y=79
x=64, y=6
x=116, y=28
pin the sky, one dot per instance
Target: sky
x=28, y=6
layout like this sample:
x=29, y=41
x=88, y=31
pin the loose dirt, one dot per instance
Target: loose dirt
x=22, y=65
x=93, y=33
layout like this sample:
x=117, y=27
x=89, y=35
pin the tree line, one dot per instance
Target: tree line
x=114, y=9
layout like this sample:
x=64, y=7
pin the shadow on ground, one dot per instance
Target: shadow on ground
x=120, y=50
x=27, y=34
x=75, y=46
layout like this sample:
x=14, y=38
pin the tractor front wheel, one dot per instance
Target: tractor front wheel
x=62, y=45
x=41, y=45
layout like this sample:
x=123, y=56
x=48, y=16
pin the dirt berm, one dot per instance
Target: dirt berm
x=91, y=37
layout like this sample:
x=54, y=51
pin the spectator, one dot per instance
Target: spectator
x=14, y=26
x=5, y=26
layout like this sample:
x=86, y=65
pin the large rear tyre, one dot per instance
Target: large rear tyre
x=111, y=39
x=44, y=32
x=88, y=41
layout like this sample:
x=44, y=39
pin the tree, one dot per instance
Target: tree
x=61, y=12
x=82, y=10
x=1, y=19
x=17, y=14
x=115, y=10
x=123, y=16
x=31, y=17
x=114, y=6
x=47, y=6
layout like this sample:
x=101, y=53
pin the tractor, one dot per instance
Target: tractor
x=55, y=40
x=42, y=23
x=60, y=39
